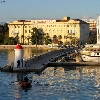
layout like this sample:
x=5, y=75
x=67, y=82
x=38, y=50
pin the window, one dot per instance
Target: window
x=29, y=26
x=71, y=31
x=29, y=31
x=74, y=25
x=53, y=31
x=18, y=26
x=25, y=31
x=67, y=31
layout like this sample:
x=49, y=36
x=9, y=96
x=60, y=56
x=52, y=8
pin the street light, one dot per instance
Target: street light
x=36, y=39
x=23, y=29
x=75, y=40
x=30, y=48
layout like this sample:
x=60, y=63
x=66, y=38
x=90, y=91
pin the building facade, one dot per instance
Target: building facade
x=92, y=23
x=67, y=28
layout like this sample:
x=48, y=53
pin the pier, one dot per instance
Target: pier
x=39, y=63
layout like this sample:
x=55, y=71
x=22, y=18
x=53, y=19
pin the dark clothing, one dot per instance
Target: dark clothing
x=18, y=63
x=26, y=79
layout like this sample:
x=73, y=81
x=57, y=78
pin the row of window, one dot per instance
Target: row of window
x=17, y=26
x=49, y=31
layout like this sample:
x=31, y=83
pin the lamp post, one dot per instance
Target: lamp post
x=52, y=42
x=23, y=30
x=35, y=38
x=75, y=40
x=30, y=49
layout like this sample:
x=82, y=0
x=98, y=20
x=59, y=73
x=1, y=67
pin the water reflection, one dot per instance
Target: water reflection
x=78, y=82
x=54, y=83
x=82, y=83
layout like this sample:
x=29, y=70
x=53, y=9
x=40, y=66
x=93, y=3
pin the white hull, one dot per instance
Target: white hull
x=90, y=58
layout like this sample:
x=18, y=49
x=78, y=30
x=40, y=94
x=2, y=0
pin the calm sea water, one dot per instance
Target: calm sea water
x=61, y=83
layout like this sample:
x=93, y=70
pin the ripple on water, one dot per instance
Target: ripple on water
x=70, y=85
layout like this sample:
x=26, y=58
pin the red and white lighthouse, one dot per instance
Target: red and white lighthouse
x=18, y=56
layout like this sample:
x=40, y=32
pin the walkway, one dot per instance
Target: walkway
x=39, y=64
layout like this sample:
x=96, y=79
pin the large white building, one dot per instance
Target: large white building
x=67, y=28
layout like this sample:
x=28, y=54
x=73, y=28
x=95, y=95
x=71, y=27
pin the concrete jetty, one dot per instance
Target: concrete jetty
x=39, y=63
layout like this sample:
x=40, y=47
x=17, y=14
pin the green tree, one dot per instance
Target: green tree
x=9, y=41
x=55, y=40
x=34, y=36
x=47, y=39
x=59, y=37
x=92, y=40
x=4, y=32
x=75, y=41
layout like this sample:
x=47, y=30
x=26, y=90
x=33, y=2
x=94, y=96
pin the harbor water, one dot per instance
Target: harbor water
x=60, y=83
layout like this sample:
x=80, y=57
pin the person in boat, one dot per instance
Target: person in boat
x=26, y=79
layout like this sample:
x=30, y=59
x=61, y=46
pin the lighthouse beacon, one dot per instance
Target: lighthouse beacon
x=18, y=56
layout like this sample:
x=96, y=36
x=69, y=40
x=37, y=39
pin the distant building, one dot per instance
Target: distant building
x=67, y=28
x=92, y=23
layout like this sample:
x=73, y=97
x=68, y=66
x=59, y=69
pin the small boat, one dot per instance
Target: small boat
x=26, y=84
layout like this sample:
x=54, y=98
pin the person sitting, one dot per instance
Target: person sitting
x=26, y=79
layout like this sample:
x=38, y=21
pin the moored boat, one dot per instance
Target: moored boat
x=93, y=57
x=91, y=53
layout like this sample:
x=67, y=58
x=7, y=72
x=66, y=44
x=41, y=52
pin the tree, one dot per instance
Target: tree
x=9, y=41
x=55, y=40
x=34, y=36
x=17, y=39
x=75, y=41
x=59, y=39
x=4, y=32
x=92, y=40
x=47, y=39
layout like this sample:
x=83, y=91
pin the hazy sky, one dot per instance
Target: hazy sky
x=48, y=9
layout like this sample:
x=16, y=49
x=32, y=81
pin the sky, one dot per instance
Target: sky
x=48, y=9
